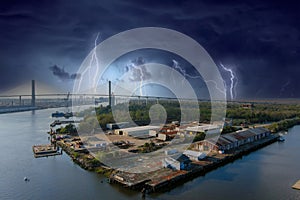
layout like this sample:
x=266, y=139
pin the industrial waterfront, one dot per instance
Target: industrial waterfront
x=267, y=173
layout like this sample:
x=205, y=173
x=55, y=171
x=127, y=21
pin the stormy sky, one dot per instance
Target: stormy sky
x=258, y=40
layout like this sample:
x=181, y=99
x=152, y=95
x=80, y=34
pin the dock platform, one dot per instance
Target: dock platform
x=58, y=122
x=296, y=185
x=45, y=150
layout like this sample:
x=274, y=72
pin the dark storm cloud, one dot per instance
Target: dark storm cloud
x=138, y=70
x=259, y=39
x=62, y=74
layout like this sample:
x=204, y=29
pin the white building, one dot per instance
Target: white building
x=162, y=136
x=153, y=133
x=207, y=129
x=194, y=155
x=112, y=126
x=176, y=162
x=136, y=131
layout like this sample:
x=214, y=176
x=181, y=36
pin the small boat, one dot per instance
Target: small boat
x=56, y=122
x=26, y=179
x=68, y=115
x=296, y=185
x=58, y=114
x=281, y=139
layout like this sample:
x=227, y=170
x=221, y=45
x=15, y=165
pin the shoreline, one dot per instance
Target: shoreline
x=18, y=109
x=170, y=184
x=173, y=178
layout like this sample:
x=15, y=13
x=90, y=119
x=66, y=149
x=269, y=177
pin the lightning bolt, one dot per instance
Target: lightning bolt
x=185, y=74
x=141, y=78
x=233, y=81
x=94, y=59
x=216, y=86
x=141, y=83
x=284, y=86
x=141, y=75
x=94, y=56
x=177, y=66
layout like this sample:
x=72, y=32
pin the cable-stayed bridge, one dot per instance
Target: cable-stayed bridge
x=23, y=102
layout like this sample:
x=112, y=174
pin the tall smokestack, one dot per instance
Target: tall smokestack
x=32, y=93
x=109, y=93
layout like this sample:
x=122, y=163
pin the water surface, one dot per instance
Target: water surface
x=265, y=174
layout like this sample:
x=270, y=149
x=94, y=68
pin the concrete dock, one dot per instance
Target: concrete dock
x=45, y=150
x=58, y=122
x=166, y=178
x=296, y=185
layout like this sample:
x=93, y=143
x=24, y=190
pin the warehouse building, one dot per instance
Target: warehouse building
x=138, y=131
x=207, y=129
x=194, y=155
x=113, y=126
x=232, y=140
x=176, y=162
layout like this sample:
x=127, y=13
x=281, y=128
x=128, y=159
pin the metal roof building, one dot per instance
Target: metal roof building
x=232, y=140
x=138, y=131
x=209, y=129
x=194, y=155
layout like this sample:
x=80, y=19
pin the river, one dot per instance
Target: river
x=265, y=174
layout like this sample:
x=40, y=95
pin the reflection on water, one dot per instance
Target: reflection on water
x=50, y=178
x=265, y=174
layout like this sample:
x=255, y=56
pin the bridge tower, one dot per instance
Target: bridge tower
x=109, y=93
x=33, y=93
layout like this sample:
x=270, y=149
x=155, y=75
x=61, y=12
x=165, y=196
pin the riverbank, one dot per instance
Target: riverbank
x=268, y=173
x=165, y=178
x=18, y=109
x=211, y=162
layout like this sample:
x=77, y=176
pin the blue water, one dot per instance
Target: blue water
x=265, y=174
x=50, y=178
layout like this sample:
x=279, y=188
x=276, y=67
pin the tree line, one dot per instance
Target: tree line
x=139, y=113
